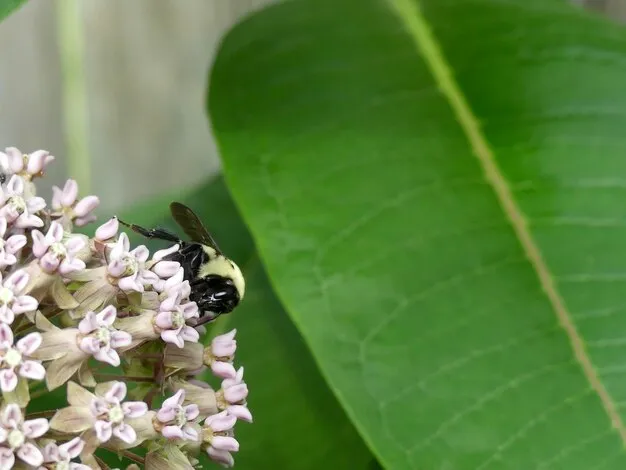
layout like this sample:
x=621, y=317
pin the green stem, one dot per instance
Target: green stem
x=75, y=117
x=41, y=414
x=124, y=378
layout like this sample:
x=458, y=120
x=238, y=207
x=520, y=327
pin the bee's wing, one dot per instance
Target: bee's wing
x=191, y=225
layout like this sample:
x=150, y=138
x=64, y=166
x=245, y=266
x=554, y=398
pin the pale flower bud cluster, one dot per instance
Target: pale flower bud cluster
x=112, y=328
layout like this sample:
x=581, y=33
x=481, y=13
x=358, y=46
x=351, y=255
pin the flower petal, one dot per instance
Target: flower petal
x=120, y=339
x=30, y=454
x=104, y=430
x=15, y=243
x=74, y=447
x=107, y=315
x=222, y=457
x=241, y=412
x=35, y=427
x=189, y=334
x=224, y=370
x=189, y=433
x=107, y=230
x=86, y=205
x=191, y=412
x=23, y=304
x=171, y=336
x=6, y=336
x=116, y=393
x=134, y=409
x=227, y=443
x=12, y=416
x=70, y=193
x=6, y=314
x=98, y=406
x=7, y=459
x=172, y=432
x=29, y=343
x=220, y=422
x=32, y=370
x=8, y=380
x=88, y=324
x=17, y=281
x=108, y=355
x=125, y=432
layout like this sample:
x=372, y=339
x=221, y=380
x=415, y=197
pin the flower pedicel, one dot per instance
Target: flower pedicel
x=108, y=323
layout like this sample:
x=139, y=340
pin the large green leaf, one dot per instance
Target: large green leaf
x=436, y=189
x=297, y=421
x=8, y=6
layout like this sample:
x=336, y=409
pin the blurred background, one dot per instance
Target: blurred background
x=116, y=89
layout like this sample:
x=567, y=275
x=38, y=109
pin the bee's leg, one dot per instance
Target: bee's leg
x=158, y=233
x=205, y=319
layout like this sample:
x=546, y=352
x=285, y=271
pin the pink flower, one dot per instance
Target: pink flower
x=218, y=430
x=175, y=416
x=222, y=353
x=64, y=202
x=16, y=437
x=107, y=230
x=15, y=359
x=13, y=162
x=110, y=413
x=172, y=318
x=60, y=456
x=100, y=338
x=11, y=302
x=17, y=207
x=233, y=397
x=127, y=266
x=9, y=247
x=55, y=254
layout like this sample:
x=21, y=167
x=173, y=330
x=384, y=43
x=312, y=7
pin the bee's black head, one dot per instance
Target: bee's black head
x=214, y=295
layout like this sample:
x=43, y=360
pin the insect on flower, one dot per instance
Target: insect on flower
x=217, y=284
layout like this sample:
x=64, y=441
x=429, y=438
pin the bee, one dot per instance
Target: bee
x=217, y=284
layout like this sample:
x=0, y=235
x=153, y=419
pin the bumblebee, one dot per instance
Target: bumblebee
x=217, y=285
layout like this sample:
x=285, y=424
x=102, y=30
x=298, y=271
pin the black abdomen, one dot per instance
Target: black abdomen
x=190, y=256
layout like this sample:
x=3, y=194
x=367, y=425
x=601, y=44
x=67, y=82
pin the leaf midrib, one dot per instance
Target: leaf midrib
x=416, y=25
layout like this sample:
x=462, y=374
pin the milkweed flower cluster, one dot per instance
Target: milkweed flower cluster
x=111, y=326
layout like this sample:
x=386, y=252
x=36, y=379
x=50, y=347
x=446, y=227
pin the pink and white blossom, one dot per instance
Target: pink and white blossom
x=60, y=456
x=65, y=203
x=15, y=359
x=176, y=417
x=11, y=301
x=9, y=247
x=100, y=338
x=19, y=208
x=127, y=265
x=172, y=321
x=222, y=352
x=16, y=437
x=15, y=162
x=218, y=434
x=110, y=412
x=56, y=254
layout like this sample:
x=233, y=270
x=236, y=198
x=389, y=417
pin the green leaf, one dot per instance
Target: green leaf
x=9, y=6
x=436, y=189
x=297, y=421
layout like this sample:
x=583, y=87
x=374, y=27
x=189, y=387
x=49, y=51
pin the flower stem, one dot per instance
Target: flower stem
x=128, y=454
x=124, y=378
x=74, y=93
x=41, y=414
x=103, y=465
